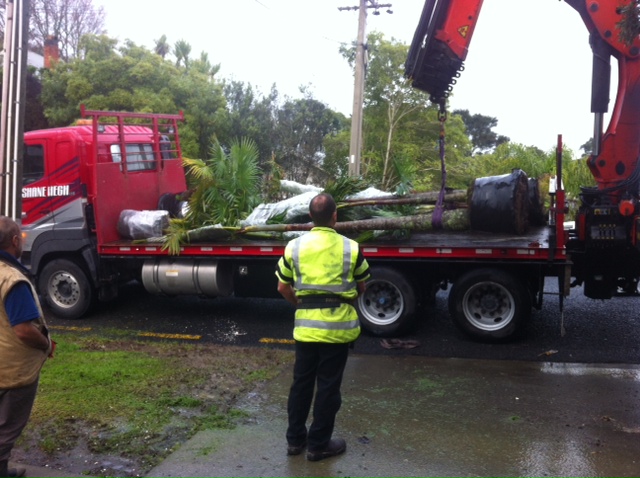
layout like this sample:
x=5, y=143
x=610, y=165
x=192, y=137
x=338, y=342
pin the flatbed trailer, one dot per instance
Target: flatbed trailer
x=406, y=275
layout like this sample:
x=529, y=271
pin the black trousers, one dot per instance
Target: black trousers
x=15, y=409
x=318, y=365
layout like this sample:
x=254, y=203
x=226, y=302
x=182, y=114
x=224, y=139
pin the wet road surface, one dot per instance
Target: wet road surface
x=418, y=416
x=595, y=331
x=548, y=405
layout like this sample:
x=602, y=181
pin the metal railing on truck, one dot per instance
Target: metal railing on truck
x=118, y=128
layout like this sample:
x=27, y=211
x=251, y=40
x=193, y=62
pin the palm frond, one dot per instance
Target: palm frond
x=226, y=189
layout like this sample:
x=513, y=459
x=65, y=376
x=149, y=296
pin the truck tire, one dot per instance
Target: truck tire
x=65, y=289
x=490, y=305
x=387, y=307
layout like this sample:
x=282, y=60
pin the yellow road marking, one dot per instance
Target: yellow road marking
x=170, y=336
x=267, y=340
x=73, y=328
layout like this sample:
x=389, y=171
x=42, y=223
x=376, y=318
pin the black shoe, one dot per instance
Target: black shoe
x=15, y=472
x=335, y=447
x=296, y=449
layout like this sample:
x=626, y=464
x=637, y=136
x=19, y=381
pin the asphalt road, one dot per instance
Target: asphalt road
x=595, y=331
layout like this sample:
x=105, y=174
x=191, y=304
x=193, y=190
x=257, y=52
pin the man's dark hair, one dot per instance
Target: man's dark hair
x=8, y=229
x=321, y=209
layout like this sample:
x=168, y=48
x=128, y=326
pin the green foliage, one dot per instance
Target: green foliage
x=132, y=78
x=302, y=125
x=480, y=131
x=181, y=51
x=248, y=115
x=509, y=156
x=227, y=185
x=343, y=187
x=390, y=104
x=533, y=161
x=575, y=174
x=273, y=174
x=401, y=128
x=294, y=132
x=225, y=190
x=629, y=26
x=34, y=115
x=336, y=149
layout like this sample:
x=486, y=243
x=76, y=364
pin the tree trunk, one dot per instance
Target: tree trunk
x=431, y=197
x=452, y=220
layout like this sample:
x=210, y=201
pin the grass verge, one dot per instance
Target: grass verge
x=126, y=404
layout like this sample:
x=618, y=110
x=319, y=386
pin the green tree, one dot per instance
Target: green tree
x=300, y=128
x=225, y=189
x=480, y=131
x=34, y=114
x=227, y=185
x=508, y=156
x=401, y=128
x=181, y=51
x=204, y=66
x=162, y=47
x=336, y=151
x=587, y=147
x=629, y=26
x=388, y=99
x=132, y=78
x=250, y=115
x=429, y=125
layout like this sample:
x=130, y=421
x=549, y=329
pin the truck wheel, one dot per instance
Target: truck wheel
x=489, y=304
x=388, y=305
x=66, y=289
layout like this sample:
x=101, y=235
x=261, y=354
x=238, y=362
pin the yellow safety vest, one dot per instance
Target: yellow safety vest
x=322, y=264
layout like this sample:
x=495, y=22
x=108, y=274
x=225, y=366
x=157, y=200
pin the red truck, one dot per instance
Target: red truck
x=78, y=180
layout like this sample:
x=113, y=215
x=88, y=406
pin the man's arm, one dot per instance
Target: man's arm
x=362, y=286
x=287, y=291
x=28, y=333
x=22, y=310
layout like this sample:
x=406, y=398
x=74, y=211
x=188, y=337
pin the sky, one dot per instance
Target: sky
x=528, y=66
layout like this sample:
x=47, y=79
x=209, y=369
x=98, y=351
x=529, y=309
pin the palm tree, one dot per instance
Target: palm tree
x=226, y=189
x=181, y=50
x=162, y=47
x=204, y=66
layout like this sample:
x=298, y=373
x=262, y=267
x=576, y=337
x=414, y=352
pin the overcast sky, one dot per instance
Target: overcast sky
x=529, y=64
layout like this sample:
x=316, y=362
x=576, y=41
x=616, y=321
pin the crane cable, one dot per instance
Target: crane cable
x=436, y=218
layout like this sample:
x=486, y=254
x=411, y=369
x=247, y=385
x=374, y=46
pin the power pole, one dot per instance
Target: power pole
x=13, y=107
x=355, y=147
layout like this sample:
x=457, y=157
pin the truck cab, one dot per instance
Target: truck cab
x=76, y=182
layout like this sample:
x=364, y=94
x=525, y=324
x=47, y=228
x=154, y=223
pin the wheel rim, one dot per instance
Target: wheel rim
x=64, y=289
x=382, y=303
x=488, y=306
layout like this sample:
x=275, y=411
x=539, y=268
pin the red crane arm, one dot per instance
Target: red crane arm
x=439, y=48
x=440, y=45
x=614, y=162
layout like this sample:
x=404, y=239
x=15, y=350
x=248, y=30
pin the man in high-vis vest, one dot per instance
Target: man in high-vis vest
x=321, y=273
x=24, y=343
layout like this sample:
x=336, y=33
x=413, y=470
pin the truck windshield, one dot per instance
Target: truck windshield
x=139, y=156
